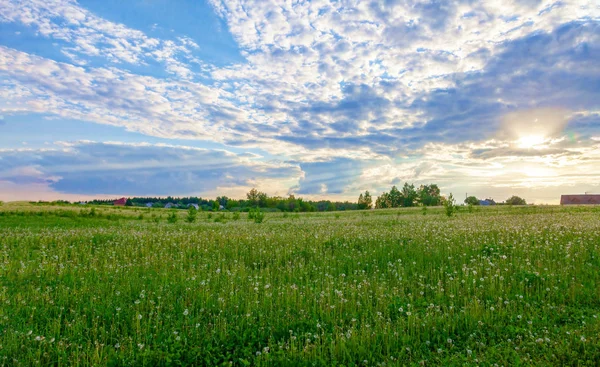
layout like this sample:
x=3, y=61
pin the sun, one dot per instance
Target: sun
x=530, y=141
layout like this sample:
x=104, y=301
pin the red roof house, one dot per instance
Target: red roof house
x=120, y=202
x=580, y=199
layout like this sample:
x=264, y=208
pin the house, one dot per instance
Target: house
x=221, y=207
x=487, y=202
x=585, y=199
x=194, y=205
x=170, y=205
x=149, y=205
x=120, y=202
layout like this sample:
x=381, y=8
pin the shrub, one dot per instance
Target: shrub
x=191, y=215
x=450, y=205
x=172, y=218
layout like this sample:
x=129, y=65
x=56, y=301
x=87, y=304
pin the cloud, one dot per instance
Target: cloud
x=87, y=35
x=90, y=168
x=379, y=91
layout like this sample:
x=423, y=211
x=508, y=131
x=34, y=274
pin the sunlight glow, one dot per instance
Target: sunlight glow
x=531, y=141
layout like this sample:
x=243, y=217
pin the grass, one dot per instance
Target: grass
x=505, y=286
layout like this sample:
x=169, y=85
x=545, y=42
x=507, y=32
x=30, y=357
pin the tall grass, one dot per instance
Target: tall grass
x=496, y=286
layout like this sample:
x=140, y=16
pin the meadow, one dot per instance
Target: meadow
x=82, y=286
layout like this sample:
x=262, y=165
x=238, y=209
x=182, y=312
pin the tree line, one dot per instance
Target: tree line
x=407, y=196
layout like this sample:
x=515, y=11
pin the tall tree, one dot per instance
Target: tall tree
x=368, y=200
x=409, y=195
x=395, y=197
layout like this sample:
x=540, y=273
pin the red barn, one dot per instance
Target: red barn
x=120, y=202
x=580, y=199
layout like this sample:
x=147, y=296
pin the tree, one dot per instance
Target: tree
x=394, y=197
x=383, y=201
x=429, y=195
x=515, y=200
x=409, y=195
x=129, y=202
x=472, y=200
x=365, y=201
x=252, y=197
x=216, y=206
x=368, y=200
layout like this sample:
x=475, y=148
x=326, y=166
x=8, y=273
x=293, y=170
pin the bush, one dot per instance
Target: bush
x=515, y=200
x=450, y=205
x=191, y=215
x=172, y=218
x=256, y=215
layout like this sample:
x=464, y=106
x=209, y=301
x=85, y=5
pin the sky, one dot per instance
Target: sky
x=320, y=99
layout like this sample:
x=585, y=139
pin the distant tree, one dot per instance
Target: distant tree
x=383, y=201
x=429, y=195
x=472, y=200
x=215, y=206
x=515, y=200
x=365, y=201
x=368, y=200
x=129, y=202
x=395, y=197
x=252, y=197
x=1, y=202
x=262, y=199
x=330, y=206
x=409, y=195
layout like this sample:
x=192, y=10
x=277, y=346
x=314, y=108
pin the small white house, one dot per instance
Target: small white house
x=149, y=205
x=170, y=205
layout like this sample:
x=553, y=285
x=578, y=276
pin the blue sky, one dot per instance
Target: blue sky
x=322, y=99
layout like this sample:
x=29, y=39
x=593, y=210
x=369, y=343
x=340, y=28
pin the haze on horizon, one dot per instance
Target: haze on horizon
x=321, y=99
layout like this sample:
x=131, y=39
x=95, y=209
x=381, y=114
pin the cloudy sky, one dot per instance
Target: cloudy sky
x=319, y=98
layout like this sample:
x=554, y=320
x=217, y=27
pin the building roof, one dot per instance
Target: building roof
x=121, y=201
x=580, y=199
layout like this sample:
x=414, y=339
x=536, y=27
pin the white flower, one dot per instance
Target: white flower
x=139, y=316
x=186, y=312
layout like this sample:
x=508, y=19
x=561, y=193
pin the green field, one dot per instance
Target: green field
x=500, y=285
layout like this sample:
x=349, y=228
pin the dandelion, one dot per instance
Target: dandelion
x=139, y=316
x=186, y=312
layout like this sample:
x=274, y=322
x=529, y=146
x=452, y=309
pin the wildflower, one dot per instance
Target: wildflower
x=139, y=316
x=186, y=312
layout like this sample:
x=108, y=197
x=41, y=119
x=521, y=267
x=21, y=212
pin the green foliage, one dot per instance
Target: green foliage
x=472, y=200
x=236, y=216
x=192, y=214
x=515, y=200
x=424, y=210
x=365, y=201
x=1, y=202
x=172, y=218
x=450, y=206
x=256, y=215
